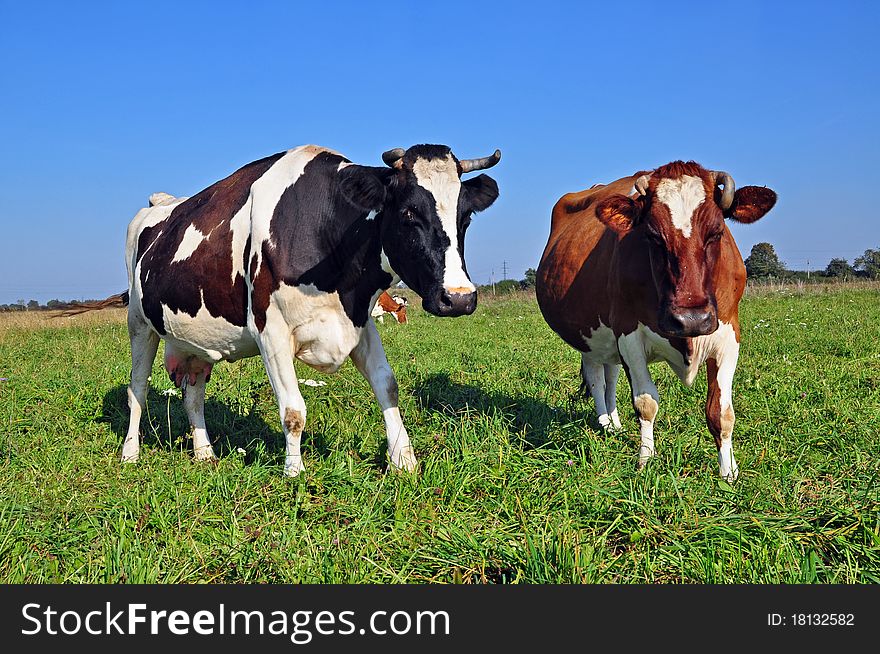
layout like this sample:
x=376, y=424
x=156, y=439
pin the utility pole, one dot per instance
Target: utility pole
x=505, y=270
x=493, y=282
x=808, y=268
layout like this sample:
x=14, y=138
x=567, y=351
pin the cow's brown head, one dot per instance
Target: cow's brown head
x=679, y=211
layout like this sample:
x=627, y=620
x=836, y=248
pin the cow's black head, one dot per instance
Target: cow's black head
x=424, y=209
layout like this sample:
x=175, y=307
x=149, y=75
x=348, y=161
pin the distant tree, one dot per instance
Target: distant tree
x=869, y=263
x=506, y=286
x=529, y=280
x=764, y=262
x=54, y=304
x=839, y=268
x=33, y=305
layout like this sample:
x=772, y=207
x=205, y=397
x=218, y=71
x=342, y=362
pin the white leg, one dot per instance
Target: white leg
x=646, y=399
x=369, y=357
x=612, y=372
x=276, y=349
x=594, y=379
x=719, y=406
x=194, y=403
x=144, y=343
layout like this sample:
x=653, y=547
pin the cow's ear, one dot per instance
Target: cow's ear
x=481, y=191
x=750, y=203
x=618, y=213
x=364, y=186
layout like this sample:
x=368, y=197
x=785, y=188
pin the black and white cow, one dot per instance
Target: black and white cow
x=285, y=258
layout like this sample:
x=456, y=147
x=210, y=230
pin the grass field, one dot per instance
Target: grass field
x=516, y=482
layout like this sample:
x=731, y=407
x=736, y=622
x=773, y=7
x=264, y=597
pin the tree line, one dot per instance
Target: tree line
x=764, y=263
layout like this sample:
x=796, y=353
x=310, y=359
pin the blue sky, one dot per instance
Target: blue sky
x=105, y=103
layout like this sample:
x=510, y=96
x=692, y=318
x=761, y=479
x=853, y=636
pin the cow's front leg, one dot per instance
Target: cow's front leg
x=369, y=357
x=719, y=407
x=646, y=399
x=276, y=349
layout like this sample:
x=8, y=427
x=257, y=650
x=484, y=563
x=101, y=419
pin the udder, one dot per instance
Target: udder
x=182, y=366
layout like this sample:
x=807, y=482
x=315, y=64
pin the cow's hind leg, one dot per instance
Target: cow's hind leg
x=646, y=399
x=612, y=372
x=194, y=403
x=276, y=349
x=719, y=408
x=369, y=357
x=144, y=343
x=594, y=379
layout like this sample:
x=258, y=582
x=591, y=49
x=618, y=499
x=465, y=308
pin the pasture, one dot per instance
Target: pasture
x=517, y=484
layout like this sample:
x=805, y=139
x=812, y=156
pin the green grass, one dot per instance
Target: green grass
x=516, y=482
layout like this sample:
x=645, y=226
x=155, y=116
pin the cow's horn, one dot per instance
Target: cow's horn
x=725, y=180
x=641, y=184
x=393, y=157
x=470, y=165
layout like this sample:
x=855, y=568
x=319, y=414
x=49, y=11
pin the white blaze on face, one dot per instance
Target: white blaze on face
x=681, y=196
x=440, y=178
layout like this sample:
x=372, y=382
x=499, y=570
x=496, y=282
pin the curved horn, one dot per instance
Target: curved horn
x=392, y=157
x=641, y=184
x=725, y=180
x=470, y=165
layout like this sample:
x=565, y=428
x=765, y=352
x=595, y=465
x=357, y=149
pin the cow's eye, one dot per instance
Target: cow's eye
x=713, y=238
x=409, y=215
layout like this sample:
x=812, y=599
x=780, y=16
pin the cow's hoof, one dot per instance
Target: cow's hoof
x=727, y=466
x=611, y=428
x=645, y=455
x=204, y=454
x=610, y=423
x=292, y=468
x=131, y=450
x=405, y=460
x=730, y=476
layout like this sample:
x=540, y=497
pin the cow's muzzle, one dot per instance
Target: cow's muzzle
x=450, y=303
x=686, y=322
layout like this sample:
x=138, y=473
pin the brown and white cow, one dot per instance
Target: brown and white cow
x=645, y=269
x=396, y=306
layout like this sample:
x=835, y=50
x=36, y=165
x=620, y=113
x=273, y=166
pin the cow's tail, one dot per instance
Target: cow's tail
x=113, y=302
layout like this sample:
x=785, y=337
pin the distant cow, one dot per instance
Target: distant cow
x=386, y=304
x=645, y=269
x=285, y=258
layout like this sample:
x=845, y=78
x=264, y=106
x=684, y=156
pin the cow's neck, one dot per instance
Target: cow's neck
x=352, y=264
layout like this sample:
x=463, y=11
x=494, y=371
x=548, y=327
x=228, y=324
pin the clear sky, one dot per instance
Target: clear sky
x=105, y=103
